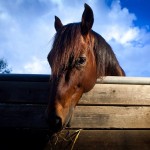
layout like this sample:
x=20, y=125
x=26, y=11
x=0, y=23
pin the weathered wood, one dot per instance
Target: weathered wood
x=104, y=80
x=32, y=116
x=117, y=94
x=120, y=103
x=124, y=80
x=109, y=140
x=24, y=92
x=111, y=117
x=22, y=116
x=114, y=140
x=107, y=94
x=87, y=140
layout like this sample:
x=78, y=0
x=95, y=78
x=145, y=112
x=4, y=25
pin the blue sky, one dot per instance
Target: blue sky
x=26, y=31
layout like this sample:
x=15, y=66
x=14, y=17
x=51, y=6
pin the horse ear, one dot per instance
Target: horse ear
x=87, y=19
x=58, y=24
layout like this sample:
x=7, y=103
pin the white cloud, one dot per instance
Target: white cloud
x=130, y=35
x=118, y=25
x=36, y=66
x=121, y=35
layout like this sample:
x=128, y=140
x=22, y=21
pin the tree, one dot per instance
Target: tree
x=4, y=66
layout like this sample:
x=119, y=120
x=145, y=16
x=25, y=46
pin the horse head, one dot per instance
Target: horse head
x=75, y=66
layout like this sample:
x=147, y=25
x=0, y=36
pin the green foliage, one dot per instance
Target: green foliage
x=4, y=66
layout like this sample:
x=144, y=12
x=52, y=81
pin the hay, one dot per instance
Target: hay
x=64, y=140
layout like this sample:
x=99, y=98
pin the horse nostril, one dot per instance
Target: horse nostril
x=58, y=122
x=55, y=123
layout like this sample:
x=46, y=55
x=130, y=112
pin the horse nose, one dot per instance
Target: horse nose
x=55, y=123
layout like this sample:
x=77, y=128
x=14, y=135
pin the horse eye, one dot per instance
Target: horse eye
x=81, y=61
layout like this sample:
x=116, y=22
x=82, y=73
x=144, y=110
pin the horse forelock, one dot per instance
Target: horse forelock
x=66, y=47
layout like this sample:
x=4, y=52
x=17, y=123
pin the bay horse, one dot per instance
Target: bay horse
x=78, y=57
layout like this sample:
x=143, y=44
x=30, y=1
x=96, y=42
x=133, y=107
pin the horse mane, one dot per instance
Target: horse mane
x=107, y=63
x=66, y=49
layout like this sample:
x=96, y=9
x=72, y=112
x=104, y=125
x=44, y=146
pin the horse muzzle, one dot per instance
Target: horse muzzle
x=58, y=122
x=54, y=122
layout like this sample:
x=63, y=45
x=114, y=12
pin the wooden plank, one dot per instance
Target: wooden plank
x=22, y=116
x=104, y=80
x=32, y=116
x=113, y=140
x=24, y=92
x=124, y=80
x=35, y=88
x=101, y=94
x=111, y=117
x=25, y=77
x=117, y=94
x=107, y=140
x=87, y=140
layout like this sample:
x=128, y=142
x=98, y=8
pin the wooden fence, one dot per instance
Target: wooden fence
x=114, y=115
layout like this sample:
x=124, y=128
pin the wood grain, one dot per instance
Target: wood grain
x=111, y=117
x=117, y=94
x=108, y=94
x=124, y=80
x=32, y=116
x=107, y=140
x=87, y=140
x=114, y=140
